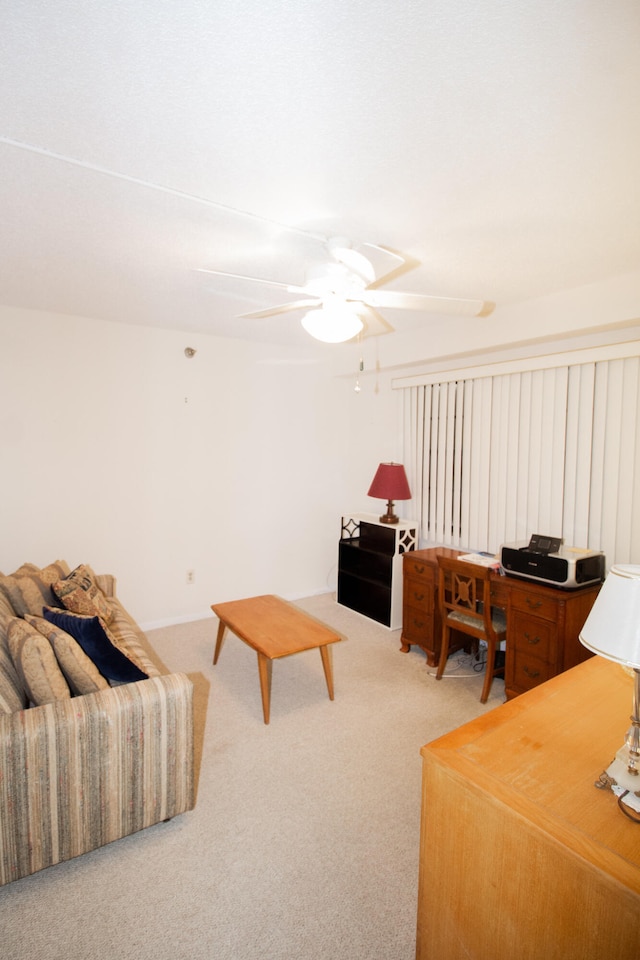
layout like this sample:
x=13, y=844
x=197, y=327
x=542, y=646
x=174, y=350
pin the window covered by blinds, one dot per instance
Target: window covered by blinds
x=556, y=451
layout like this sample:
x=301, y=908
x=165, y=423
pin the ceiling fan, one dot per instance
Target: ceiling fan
x=342, y=296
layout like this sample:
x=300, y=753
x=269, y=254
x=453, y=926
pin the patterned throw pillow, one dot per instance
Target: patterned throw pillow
x=81, y=673
x=28, y=590
x=80, y=593
x=130, y=640
x=98, y=644
x=36, y=664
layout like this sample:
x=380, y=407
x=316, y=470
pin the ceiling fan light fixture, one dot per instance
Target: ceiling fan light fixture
x=334, y=323
x=333, y=280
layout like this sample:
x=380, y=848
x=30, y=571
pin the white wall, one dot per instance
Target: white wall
x=120, y=452
x=374, y=435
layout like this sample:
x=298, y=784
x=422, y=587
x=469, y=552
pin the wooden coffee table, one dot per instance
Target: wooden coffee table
x=274, y=629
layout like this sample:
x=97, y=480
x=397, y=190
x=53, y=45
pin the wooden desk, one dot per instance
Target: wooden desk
x=543, y=622
x=520, y=855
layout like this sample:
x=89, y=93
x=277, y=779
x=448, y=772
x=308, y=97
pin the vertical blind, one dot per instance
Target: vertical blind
x=493, y=459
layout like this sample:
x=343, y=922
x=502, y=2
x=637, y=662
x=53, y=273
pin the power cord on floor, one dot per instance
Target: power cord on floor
x=458, y=663
x=462, y=661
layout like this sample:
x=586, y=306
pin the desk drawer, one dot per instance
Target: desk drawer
x=418, y=568
x=534, y=604
x=532, y=636
x=527, y=671
x=417, y=626
x=418, y=593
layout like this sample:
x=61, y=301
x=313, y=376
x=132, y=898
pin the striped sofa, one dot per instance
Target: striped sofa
x=85, y=768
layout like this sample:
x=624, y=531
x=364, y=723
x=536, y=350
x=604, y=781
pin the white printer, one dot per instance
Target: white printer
x=547, y=560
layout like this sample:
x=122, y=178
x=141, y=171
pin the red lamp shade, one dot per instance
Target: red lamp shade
x=390, y=483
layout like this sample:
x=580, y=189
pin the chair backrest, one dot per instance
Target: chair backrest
x=465, y=595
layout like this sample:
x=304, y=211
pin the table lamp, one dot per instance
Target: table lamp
x=390, y=483
x=612, y=630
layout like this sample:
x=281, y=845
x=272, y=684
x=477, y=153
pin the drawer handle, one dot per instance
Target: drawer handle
x=418, y=623
x=532, y=639
x=531, y=673
x=418, y=569
x=534, y=604
x=418, y=596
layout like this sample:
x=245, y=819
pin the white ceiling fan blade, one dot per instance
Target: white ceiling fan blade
x=417, y=301
x=387, y=251
x=374, y=323
x=404, y=264
x=280, y=308
x=356, y=262
x=292, y=288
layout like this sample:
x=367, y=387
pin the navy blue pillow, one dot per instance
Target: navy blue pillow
x=90, y=634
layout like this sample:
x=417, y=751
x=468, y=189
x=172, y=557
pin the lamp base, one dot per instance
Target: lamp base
x=618, y=771
x=618, y=778
x=389, y=516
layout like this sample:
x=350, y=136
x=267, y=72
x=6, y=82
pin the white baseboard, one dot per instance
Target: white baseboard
x=203, y=615
x=172, y=621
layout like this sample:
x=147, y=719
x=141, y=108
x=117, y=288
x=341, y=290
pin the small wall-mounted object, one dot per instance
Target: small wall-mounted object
x=189, y=352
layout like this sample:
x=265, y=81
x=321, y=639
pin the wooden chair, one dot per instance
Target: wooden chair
x=464, y=597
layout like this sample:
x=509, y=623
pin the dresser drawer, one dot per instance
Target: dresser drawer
x=532, y=636
x=534, y=604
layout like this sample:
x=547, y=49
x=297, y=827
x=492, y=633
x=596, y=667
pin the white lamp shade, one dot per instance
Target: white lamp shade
x=612, y=629
x=332, y=323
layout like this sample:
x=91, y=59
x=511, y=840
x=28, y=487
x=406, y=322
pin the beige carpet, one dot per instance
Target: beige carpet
x=304, y=841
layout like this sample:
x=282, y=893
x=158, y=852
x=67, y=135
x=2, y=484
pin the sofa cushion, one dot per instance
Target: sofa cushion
x=79, y=670
x=80, y=593
x=13, y=696
x=35, y=664
x=28, y=590
x=7, y=613
x=94, y=638
x=26, y=568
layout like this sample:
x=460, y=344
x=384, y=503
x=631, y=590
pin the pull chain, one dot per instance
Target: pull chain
x=357, y=387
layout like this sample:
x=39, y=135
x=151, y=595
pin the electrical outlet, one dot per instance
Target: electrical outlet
x=191, y=576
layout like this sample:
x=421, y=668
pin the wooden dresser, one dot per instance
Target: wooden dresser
x=520, y=854
x=543, y=622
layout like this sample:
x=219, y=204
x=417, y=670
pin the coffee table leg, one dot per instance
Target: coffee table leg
x=325, y=653
x=219, y=639
x=264, y=669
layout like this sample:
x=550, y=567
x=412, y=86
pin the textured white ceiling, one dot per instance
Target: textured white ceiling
x=497, y=142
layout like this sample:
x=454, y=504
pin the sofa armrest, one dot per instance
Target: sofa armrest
x=79, y=773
